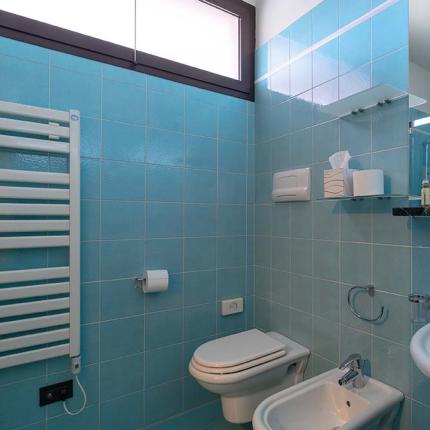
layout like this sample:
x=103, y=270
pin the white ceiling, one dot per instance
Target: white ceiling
x=419, y=32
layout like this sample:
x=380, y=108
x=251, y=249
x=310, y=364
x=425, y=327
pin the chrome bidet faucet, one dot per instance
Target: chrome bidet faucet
x=354, y=364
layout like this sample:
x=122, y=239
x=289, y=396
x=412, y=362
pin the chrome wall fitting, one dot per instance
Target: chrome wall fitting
x=371, y=291
x=420, y=304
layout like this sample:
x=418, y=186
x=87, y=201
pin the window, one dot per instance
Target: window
x=168, y=29
x=114, y=25
x=209, y=44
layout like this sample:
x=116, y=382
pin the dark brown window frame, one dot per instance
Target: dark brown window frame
x=49, y=36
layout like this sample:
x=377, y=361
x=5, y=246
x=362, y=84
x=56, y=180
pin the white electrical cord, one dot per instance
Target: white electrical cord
x=84, y=395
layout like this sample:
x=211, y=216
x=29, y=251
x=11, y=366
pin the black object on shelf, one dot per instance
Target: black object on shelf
x=412, y=211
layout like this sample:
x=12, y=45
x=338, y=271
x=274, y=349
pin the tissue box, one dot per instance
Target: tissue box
x=338, y=183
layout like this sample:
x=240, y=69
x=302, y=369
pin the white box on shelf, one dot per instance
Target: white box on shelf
x=368, y=182
x=338, y=183
x=292, y=185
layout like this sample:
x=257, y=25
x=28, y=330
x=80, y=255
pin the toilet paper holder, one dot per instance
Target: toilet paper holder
x=139, y=282
x=152, y=281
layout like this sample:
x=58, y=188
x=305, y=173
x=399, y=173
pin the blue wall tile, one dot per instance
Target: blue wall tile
x=390, y=29
x=232, y=125
x=120, y=299
x=124, y=102
x=87, y=420
x=232, y=157
x=164, y=147
x=325, y=19
x=354, y=47
x=126, y=76
x=114, y=382
x=77, y=64
x=201, y=152
x=200, y=220
x=301, y=75
x=123, y=142
x=201, y=119
x=166, y=111
x=325, y=62
x=199, y=287
x=392, y=70
x=121, y=258
x=164, y=220
x=199, y=254
x=163, y=328
x=199, y=321
x=163, y=401
x=349, y=11
x=18, y=77
x=69, y=88
x=126, y=413
x=163, y=365
x=90, y=261
x=164, y=253
x=121, y=337
x=231, y=188
x=122, y=181
x=165, y=183
x=90, y=137
x=90, y=219
x=14, y=396
x=355, y=81
x=300, y=35
x=200, y=186
x=90, y=179
x=261, y=60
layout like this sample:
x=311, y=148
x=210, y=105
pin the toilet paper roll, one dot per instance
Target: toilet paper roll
x=368, y=182
x=155, y=281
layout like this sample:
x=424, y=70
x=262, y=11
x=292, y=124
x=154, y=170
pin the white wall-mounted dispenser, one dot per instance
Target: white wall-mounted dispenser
x=153, y=281
x=292, y=185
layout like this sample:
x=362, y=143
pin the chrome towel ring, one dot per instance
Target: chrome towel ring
x=371, y=291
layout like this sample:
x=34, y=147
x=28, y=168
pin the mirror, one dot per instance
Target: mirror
x=419, y=85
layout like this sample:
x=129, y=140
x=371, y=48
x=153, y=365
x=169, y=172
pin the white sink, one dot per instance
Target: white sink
x=420, y=349
x=321, y=403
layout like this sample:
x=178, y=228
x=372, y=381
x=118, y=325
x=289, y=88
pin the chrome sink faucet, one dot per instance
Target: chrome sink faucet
x=354, y=364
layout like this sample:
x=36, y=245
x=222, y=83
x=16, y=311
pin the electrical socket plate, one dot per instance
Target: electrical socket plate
x=56, y=393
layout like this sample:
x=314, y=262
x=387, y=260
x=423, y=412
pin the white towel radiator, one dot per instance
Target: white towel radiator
x=40, y=307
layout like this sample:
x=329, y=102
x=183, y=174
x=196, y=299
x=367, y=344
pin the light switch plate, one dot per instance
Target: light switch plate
x=232, y=306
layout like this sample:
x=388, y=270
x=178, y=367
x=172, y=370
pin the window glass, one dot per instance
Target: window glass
x=110, y=20
x=190, y=32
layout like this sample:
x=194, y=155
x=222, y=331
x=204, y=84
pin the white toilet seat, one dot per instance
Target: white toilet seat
x=237, y=349
x=236, y=377
x=238, y=368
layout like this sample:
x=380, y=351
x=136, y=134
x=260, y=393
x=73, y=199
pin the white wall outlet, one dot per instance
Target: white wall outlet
x=232, y=306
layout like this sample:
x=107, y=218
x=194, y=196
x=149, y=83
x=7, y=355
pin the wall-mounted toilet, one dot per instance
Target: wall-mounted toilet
x=246, y=368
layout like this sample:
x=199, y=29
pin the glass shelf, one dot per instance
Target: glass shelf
x=367, y=99
x=417, y=211
x=377, y=197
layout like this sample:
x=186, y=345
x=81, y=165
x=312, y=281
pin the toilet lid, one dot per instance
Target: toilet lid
x=240, y=367
x=237, y=349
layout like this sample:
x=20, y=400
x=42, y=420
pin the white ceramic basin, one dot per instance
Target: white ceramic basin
x=321, y=403
x=420, y=349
